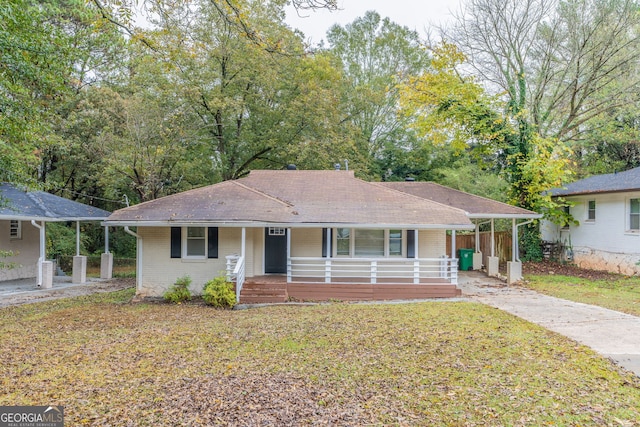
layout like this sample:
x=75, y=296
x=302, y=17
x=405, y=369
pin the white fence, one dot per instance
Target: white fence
x=373, y=269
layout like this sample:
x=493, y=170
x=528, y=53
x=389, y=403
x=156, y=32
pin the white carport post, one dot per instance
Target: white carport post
x=45, y=268
x=106, y=259
x=477, y=254
x=493, y=262
x=79, y=274
x=514, y=267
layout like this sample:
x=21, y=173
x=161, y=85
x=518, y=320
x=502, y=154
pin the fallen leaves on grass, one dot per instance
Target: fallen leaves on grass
x=113, y=363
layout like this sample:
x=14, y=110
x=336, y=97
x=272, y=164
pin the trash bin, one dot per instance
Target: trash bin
x=465, y=259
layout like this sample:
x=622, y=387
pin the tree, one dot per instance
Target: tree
x=253, y=105
x=35, y=67
x=377, y=55
x=560, y=64
x=456, y=110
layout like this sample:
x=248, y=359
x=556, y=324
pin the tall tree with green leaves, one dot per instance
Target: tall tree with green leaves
x=454, y=109
x=254, y=102
x=377, y=55
x=48, y=51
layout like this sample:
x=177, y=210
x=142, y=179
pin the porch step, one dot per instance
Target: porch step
x=263, y=292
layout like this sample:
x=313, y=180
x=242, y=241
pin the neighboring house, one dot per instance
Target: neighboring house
x=321, y=234
x=23, y=218
x=607, y=209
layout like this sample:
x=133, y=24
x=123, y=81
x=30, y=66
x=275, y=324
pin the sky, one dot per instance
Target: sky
x=419, y=15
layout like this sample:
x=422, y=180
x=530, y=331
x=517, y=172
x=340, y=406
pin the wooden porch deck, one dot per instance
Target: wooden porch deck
x=274, y=288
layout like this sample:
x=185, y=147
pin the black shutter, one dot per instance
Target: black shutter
x=411, y=243
x=212, y=245
x=176, y=242
x=324, y=243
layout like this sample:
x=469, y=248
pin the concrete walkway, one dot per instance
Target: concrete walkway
x=25, y=290
x=612, y=334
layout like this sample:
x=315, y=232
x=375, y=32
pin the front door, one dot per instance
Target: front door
x=275, y=250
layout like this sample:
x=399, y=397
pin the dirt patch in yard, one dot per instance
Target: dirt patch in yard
x=550, y=268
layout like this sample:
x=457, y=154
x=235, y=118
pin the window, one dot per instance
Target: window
x=634, y=214
x=194, y=242
x=567, y=212
x=277, y=231
x=15, y=229
x=343, y=239
x=395, y=242
x=591, y=210
x=368, y=243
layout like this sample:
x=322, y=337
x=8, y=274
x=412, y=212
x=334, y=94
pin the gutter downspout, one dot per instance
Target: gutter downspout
x=42, y=249
x=138, y=256
x=516, y=257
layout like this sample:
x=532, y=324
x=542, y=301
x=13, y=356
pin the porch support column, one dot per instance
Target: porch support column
x=288, y=255
x=44, y=267
x=243, y=243
x=514, y=267
x=416, y=244
x=477, y=255
x=453, y=244
x=77, y=238
x=106, y=259
x=79, y=273
x=327, y=261
x=493, y=261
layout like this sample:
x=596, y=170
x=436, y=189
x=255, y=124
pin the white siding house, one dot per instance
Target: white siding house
x=323, y=234
x=607, y=211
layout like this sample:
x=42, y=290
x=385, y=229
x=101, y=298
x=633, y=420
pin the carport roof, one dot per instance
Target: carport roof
x=20, y=204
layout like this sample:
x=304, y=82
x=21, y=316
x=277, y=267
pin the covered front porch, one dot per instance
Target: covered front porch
x=276, y=288
x=347, y=277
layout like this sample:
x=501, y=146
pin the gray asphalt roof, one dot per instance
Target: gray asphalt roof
x=295, y=197
x=16, y=203
x=475, y=205
x=607, y=183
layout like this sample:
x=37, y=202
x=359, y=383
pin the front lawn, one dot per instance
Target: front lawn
x=613, y=291
x=111, y=362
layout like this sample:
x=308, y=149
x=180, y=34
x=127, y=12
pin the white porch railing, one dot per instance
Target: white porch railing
x=375, y=270
x=236, y=272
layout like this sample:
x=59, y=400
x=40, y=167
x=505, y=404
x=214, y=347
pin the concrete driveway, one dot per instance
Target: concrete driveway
x=612, y=334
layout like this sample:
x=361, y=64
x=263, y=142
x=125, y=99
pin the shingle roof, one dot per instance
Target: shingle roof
x=476, y=206
x=16, y=203
x=295, y=197
x=607, y=183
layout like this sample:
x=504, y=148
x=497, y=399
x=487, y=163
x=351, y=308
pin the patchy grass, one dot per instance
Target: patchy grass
x=110, y=362
x=617, y=292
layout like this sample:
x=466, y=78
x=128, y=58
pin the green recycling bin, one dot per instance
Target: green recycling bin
x=465, y=259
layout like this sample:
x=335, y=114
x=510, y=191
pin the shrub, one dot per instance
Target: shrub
x=219, y=293
x=179, y=291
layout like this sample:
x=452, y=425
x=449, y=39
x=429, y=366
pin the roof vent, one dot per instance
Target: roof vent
x=409, y=179
x=291, y=167
x=337, y=166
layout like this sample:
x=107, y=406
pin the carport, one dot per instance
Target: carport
x=23, y=218
x=481, y=211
